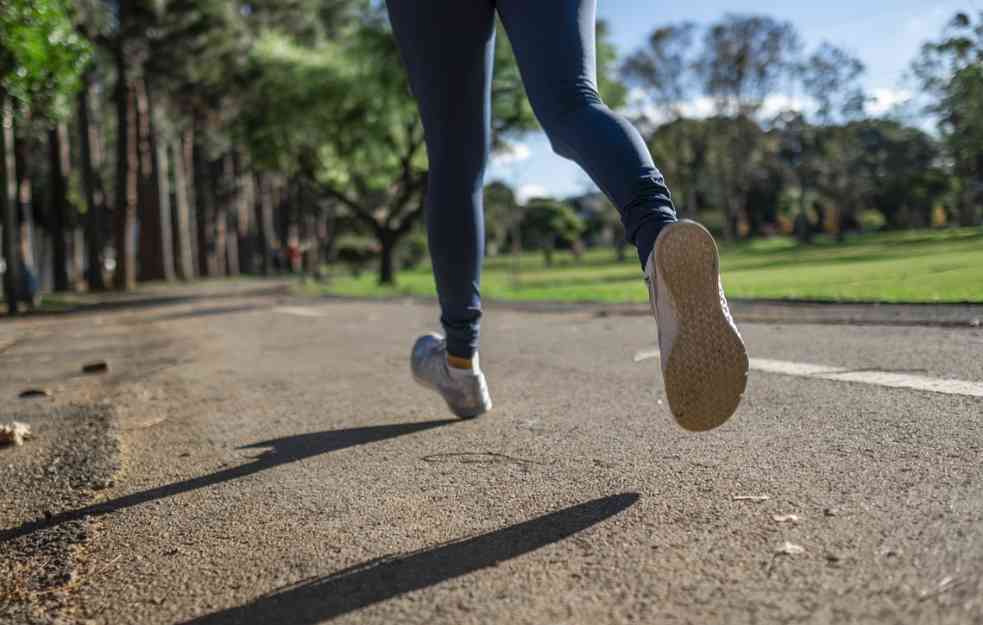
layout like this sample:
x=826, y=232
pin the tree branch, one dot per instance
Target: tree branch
x=358, y=211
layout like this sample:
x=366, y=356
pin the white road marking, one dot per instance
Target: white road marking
x=646, y=355
x=299, y=311
x=792, y=368
x=844, y=374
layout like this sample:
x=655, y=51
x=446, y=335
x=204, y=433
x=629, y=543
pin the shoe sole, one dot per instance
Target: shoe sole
x=460, y=414
x=706, y=373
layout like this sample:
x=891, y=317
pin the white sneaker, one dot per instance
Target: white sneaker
x=704, y=361
x=465, y=391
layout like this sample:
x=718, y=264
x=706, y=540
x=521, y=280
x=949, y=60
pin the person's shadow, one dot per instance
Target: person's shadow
x=281, y=451
x=325, y=598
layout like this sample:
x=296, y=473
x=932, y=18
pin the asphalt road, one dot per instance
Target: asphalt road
x=274, y=463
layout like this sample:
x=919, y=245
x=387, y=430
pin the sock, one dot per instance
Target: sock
x=645, y=240
x=462, y=367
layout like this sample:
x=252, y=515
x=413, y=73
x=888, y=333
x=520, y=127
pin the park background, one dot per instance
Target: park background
x=836, y=153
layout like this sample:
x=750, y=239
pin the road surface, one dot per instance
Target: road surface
x=261, y=459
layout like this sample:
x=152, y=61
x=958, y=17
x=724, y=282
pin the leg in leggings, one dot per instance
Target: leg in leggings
x=554, y=42
x=448, y=48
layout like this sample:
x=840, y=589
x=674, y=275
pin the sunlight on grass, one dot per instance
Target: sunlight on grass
x=913, y=266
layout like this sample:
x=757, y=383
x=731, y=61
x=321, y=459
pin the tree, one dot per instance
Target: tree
x=601, y=222
x=502, y=216
x=830, y=77
x=951, y=73
x=663, y=68
x=900, y=164
x=681, y=147
x=340, y=117
x=11, y=276
x=94, y=212
x=41, y=58
x=800, y=150
x=548, y=223
x=58, y=169
x=742, y=61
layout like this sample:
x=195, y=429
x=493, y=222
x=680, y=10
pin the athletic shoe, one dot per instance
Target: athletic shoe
x=464, y=390
x=704, y=361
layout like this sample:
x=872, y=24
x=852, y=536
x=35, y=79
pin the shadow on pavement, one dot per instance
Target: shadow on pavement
x=283, y=451
x=360, y=586
x=113, y=302
x=208, y=312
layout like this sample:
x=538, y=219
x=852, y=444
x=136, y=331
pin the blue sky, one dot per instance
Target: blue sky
x=884, y=34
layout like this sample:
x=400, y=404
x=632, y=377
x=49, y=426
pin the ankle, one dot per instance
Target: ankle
x=462, y=366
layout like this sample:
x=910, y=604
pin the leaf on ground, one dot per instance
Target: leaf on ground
x=34, y=392
x=14, y=432
x=99, y=366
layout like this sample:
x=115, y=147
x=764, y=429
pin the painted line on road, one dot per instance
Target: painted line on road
x=299, y=311
x=866, y=376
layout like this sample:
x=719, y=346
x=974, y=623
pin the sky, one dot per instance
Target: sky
x=884, y=34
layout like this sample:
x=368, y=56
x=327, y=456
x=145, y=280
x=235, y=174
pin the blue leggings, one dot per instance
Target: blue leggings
x=448, y=48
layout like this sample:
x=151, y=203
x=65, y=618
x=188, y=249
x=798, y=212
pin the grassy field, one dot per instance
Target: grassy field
x=914, y=266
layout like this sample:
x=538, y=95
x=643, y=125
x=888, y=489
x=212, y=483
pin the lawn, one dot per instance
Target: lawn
x=913, y=266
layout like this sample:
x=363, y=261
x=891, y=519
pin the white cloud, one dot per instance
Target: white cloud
x=640, y=105
x=515, y=153
x=698, y=107
x=883, y=100
x=528, y=191
x=702, y=107
x=778, y=102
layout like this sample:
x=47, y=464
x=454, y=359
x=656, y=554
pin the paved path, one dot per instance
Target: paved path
x=278, y=465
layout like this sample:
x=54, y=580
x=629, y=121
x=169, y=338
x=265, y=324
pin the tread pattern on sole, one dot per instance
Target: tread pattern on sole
x=706, y=372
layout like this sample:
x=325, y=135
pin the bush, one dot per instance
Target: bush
x=357, y=252
x=412, y=250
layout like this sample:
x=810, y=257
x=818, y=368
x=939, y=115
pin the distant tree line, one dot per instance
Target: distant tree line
x=742, y=155
x=178, y=139
x=826, y=161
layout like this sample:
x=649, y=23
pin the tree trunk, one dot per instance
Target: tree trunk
x=205, y=210
x=245, y=223
x=183, y=237
x=189, y=176
x=11, y=248
x=222, y=193
x=282, y=212
x=265, y=221
x=23, y=192
x=163, y=162
x=93, y=212
x=149, y=211
x=968, y=212
x=127, y=176
x=58, y=205
x=730, y=220
x=802, y=227
x=387, y=258
x=323, y=234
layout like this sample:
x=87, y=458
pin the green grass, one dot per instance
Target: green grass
x=913, y=266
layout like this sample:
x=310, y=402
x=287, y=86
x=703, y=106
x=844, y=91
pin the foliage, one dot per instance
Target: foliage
x=743, y=59
x=548, y=224
x=502, y=215
x=663, y=68
x=951, y=72
x=830, y=76
x=41, y=55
